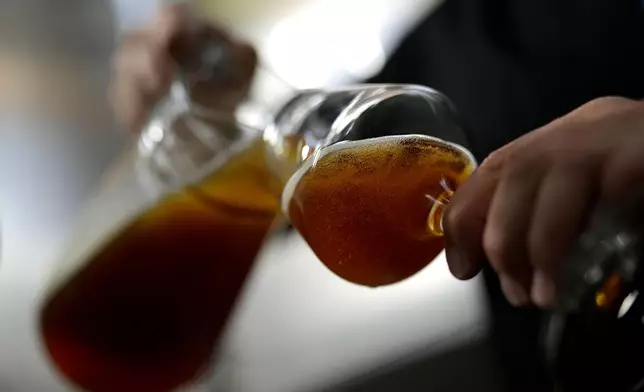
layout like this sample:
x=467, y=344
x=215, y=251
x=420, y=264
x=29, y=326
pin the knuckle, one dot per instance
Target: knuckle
x=156, y=53
x=152, y=66
x=171, y=19
x=498, y=159
x=148, y=59
x=494, y=162
x=158, y=58
x=514, y=159
x=495, y=248
x=129, y=51
x=456, y=219
x=522, y=165
x=577, y=162
x=168, y=12
x=538, y=244
x=156, y=87
x=603, y=106
x=610, y=101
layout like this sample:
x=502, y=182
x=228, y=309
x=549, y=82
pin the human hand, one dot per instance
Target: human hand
x=147, y=60
x=526, y=204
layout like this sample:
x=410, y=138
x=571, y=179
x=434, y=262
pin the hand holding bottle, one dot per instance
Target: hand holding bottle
x=148, y=60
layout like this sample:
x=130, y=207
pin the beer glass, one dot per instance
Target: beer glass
x=372, y=170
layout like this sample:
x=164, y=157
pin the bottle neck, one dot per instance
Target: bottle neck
x=183, y=142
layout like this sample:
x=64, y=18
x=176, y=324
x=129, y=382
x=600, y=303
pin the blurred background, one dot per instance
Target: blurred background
x=298, y=328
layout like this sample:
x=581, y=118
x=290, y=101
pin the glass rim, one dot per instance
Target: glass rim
x=294, y=180
x=365, y=86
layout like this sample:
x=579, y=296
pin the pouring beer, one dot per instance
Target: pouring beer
x=150, y=280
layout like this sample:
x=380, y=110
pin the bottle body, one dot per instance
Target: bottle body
x=152, y=275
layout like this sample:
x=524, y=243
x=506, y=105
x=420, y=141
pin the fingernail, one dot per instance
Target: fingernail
x=514, y=291
x=458, y=263
x=543, y=289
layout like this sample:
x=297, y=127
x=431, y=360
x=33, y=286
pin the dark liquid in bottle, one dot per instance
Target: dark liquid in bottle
x=146, y=312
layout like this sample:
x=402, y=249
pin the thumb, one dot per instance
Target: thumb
x=464, y=223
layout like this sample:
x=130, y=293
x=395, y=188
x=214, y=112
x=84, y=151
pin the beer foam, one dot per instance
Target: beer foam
x=413, y=147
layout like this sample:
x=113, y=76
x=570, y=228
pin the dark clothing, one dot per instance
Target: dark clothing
x=511, y=66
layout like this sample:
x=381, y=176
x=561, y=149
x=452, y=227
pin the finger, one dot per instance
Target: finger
x=464, y=222
x=561, y=205
x=505, y=234
x=141, y=61
x=129, y=105
x=623, y=171
x=172, y=22
x=142, y=73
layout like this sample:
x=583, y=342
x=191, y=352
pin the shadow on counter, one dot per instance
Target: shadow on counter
x=473, y=368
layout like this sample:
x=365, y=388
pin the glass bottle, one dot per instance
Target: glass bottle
x=594, y=339
x=162, y=251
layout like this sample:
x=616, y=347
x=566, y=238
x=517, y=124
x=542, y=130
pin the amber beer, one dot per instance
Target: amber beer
x=145, y=311
x=371, y=210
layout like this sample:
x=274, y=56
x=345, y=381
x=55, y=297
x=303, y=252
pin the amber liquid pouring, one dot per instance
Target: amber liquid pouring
x=146, y=312
x=363, y=208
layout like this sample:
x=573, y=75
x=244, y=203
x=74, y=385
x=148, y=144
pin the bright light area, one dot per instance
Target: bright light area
x=135, y=14
x=327, y=43
x=627, y=304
